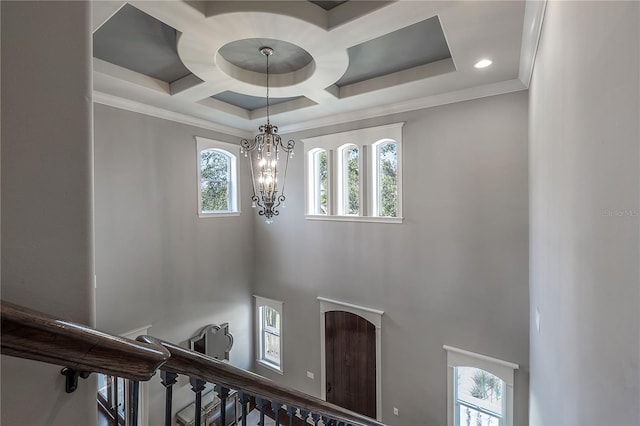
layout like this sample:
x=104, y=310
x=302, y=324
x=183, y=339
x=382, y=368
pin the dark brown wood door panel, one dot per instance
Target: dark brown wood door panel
x=350, y=344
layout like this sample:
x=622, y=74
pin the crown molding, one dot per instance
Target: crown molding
x=484, y=91
x=531, y=31
x=139, y=107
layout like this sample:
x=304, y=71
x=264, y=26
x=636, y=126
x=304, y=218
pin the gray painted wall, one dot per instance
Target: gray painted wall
x=47, y=217
x=455, y=272
x=584, y=207
x=157, y=263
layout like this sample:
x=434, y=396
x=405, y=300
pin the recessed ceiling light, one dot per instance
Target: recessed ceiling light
x=483, y=63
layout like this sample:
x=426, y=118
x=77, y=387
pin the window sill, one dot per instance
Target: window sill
x=220, y=214
x=372, y=219
x=270, y=366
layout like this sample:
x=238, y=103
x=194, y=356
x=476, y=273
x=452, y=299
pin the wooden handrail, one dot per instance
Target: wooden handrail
x=194, y=364
x=34, y=335
x=41, y=337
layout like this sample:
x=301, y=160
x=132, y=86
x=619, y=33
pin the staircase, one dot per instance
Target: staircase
x=82, y=350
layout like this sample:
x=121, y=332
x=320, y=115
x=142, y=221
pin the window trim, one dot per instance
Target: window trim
x=365, y=140
x=504, y=370
x=277, y=305
x=229, y=149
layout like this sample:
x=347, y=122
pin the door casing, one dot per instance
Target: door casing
x=374, y=316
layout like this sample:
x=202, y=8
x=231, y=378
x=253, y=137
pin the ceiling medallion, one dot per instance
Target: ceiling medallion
x=265, y=162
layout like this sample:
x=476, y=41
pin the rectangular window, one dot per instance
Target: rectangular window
x=269, y=333
x=217, y=178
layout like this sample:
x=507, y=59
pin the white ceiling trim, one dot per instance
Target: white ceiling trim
x=531, y=30
x=123, y=84
x=487, y=90
x=126, y=76
x=129, y=105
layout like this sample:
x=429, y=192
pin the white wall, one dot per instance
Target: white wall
x=455, y=272
x=47, y=223
x=157, y=263
x=584, y=208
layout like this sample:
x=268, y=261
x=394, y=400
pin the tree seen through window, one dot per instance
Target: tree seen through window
x=352, y=157
x=323, y=182
x=479, y=400
x=215, y=180
x=388, y=179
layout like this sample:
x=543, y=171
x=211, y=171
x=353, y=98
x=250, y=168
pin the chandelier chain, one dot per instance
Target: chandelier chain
x=268, y=89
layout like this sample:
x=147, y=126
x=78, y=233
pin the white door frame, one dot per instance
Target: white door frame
x=374, y=316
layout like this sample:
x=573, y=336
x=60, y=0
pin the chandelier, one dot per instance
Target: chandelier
x=264, y=154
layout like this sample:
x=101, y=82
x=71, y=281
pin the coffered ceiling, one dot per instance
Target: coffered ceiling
x=333, y=61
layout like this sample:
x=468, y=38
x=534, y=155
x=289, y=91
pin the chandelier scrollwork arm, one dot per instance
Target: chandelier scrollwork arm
x=265, y=162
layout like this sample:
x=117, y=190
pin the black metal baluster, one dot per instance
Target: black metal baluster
x=223, y=394
x=197, y=386
x=244, y=401
x=326, y=421
x=168, y=380
x=134, y=402
x=261, y=404
x=304, y=414
x=291, y=411
x=276, y=411
x=316, y=418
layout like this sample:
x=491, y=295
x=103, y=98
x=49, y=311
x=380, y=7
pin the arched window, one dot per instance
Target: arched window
x=355, y=176
x=480, y=390
x=269, y=333
x=386, y=201
x=217, y=179
x=349, y=180
x=319, y=182
x=479, y=397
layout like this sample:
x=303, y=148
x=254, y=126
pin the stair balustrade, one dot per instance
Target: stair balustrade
x=82, y=350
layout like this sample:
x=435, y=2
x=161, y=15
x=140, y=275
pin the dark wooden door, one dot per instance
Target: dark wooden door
x=350, y=343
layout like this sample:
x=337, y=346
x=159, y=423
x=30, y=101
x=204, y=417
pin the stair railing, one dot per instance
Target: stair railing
x=82, y=350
